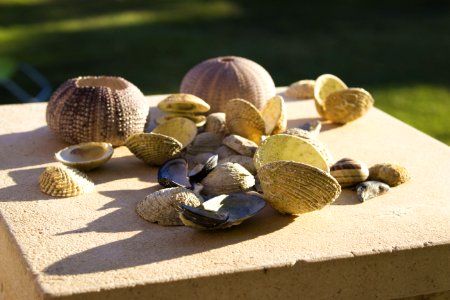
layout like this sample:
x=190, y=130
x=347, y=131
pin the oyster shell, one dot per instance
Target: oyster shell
x=85, y=156
x=369, y=189
x=222, y=211
x=64, y=181
x=240, y=144
x=294, y=188
x=245, y=161
x=185, y=103
x=227, y=178
x=173, y=173
x=216, y=123
x=274, y=115
x=392, y=174
x=347, y=105
x=181, y=129
x=97, y=109
x=325, y=85
x=349, y=172
x=199, y=120
x=162, y=206
x=303, y=89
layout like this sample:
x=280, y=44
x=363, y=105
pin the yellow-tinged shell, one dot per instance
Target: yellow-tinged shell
x=294, y=188
x=217, y=80
x=240, y=144
x=244, y=119
x=227, y=178
x=97, y=109
x=389, y=173
x=292, y=148
x=181, y=129
x=153, y=148
x=302, y=89
x=347, y=105
x=325, y=85
x=184, y=103
x=85, y=156
x=274, y=115
x=215, y=123
x=162, y=206
x=63, y=181
x=199, y=120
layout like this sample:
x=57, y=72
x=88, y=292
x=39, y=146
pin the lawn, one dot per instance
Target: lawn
x=397, y=50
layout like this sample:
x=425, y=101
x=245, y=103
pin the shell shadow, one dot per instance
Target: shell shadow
x=347, y=197
x=326, y=125
x=26, y=187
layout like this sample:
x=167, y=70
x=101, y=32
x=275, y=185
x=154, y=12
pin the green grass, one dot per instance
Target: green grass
x=398, y=50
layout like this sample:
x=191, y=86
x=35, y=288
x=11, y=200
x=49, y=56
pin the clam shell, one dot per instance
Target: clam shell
x=390, y=173
x=216, y=123
x=325, y=85
x=162, y=206
x=294, y=188
x=220, y=79
x=244, y=119
x=199, y=120
x=349, y=172
x=370, y=189
x=274, y=115
x=63, y=181
x=245, y=161
x=227, y=178
x=303, y=89
x=347, y=105
x=85, y=156
x=174, y=173
x=97, y=109
x=225, y=151
x=205, y=142
x=288, y=147
x=181, y=129
x=153, y=148
x=184, y=103
x=240, y=144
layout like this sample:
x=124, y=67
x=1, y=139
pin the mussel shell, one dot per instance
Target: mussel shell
x=173, y=173
x=197, y=174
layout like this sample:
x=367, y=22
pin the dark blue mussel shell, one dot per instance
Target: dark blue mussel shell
x=173, y=173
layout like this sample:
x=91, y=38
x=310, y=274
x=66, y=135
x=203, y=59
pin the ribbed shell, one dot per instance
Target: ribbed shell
x=215, y=123
x=347, y=105
x=303, y=89
x=295, y=188
x=184, y=103
x=244, y=119
x=390, y=173
x=227, y=178
x=162, y=206
x=325, y=85
x=63, y=181
x=217, y=80
x=274, y=115
x=181, y=129
x=349, y=172
x=153, y=148
x=97, y=109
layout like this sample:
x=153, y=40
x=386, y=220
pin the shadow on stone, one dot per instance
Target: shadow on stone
x=326, y=125
x=26, y=187
x=347, y=197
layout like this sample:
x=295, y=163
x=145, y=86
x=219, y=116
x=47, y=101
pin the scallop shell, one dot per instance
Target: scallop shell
x=181, y=129
x=217, y=80
x=162, y=206
x=303, y=89
x=240, y=144
x=390, y=173
x=85, y=156
x=325, y=85
x=63, y=181
x=153, y=148
x=245, y=161
x=347, y=105
x=227, y=178
x=97, y=109
x=274, y=115
x=244, y=119
x=205, y=142
x=215, y=123
x=199, y=120
x=184, y=103
x=349, y=172
x=294, y=188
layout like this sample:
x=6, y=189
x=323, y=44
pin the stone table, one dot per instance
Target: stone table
x=95, y=246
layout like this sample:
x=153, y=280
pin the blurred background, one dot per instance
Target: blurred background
x=397, y=50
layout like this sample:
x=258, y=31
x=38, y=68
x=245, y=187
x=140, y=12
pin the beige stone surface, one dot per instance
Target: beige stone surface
x=95, y=246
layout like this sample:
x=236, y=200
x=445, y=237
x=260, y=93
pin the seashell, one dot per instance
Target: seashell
x=301, y=133
x=313, y=127
x=153, y=148
x=199, y=120
x=205, y=142
x=325, y=85
x=349, y=172
x=392, y=174
x=245, y=161
x=369, y=189
x=288, y=147
x=227, y=178
x=63, y=181
x=181, y=129
x=162, y=206
x=174, y=173
x=244, y=119
x=200, y=171
x=240, y=144
x=185, y=103
x=222, y=211
x=274, y=115
x=294, y=188
x=303, y=89
x=85, y=156
x=225, y=151
x=215, y=123
x=97, y=109
x=217, y=80
x=347, y=105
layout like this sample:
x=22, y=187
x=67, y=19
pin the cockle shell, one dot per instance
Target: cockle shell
x=349, y=172
x=294, y=188
x=183, y=103
x=227, y=178
x=240, y=144
x=217, y=80
x=199, y=120
x=325, y=85
x=245, y=161
x=347, y=105
x=244, y=119
x=97, y=109
x=85, y=156
x=205, y=142
x=215, y=123
x=274, y=115
x=64, y=181
x=318, y=145
x=162, y=206
x=181, y=129
x=153, y=148
x=303, y=89
x=369, y=189
x=390, y=173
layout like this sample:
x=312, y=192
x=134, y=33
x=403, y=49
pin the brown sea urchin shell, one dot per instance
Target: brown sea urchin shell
x=220, y=79
x=97, y=109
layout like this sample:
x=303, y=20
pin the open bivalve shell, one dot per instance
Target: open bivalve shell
x=325, y=85
x=344, y=106
x=294, y=188
x=85, y=156
x=63, y=181
x=199, y=120
x=302, y=89
x=227, y=178
x=274, y=115
x=181, y=129
x=174, y=173
x=244, y=119
x=183, y=103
